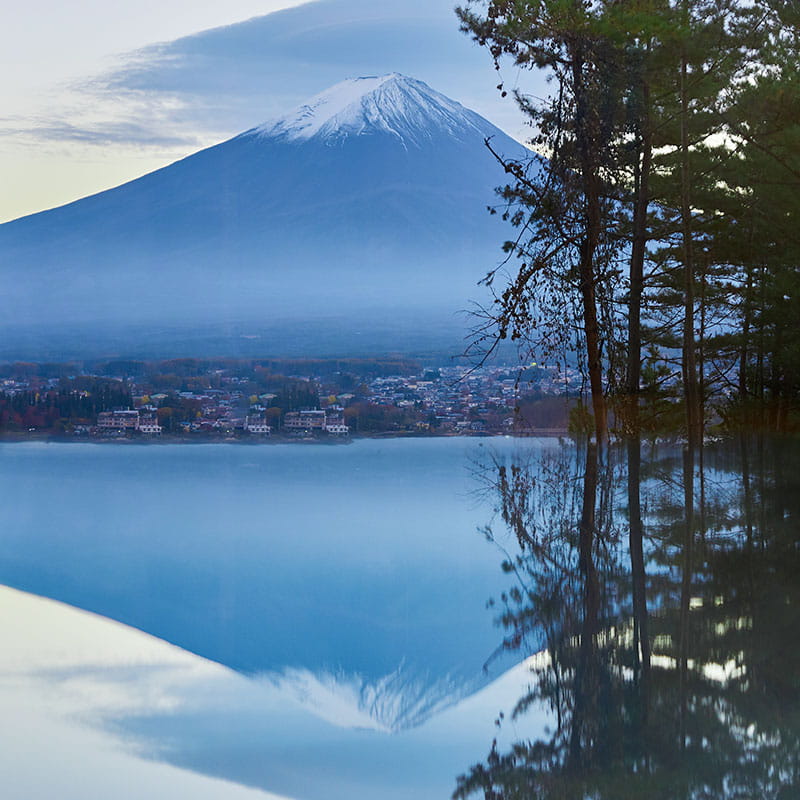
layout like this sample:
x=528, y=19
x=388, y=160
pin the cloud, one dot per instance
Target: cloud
x=229, y=79
x=105, y=134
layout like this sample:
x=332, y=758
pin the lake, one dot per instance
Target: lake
x=361, y=621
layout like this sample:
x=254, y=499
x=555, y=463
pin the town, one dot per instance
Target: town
x=254, y=400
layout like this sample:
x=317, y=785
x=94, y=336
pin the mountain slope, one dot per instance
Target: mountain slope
x=367, y=201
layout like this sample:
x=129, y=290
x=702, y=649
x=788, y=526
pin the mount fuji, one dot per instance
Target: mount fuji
x=355, y=223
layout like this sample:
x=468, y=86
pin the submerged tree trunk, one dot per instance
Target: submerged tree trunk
x=584, y=695
x=686, y=592
x=639, y=585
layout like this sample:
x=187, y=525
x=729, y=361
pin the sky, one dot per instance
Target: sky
x=99, y=93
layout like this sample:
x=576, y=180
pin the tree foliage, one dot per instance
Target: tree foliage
x=655, y=224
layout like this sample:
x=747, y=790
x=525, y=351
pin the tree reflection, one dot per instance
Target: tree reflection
x=671, y=666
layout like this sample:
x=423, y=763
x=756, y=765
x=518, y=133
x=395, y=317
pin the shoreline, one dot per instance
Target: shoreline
x=255, y=440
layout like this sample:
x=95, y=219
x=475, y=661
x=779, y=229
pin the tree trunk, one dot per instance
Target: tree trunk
x=746, y=321
x=587, y=270
x=638, y=252
x=694, y=420
x=593, y=354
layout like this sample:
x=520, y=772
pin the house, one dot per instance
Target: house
x=148, y=423
x=257, y=423
x=334, y=421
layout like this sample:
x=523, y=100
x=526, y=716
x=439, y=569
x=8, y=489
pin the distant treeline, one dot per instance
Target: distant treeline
x=172, y=372
x=51, y=409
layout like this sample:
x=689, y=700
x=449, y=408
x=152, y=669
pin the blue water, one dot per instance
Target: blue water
x=356, y=559
x=350, y=557
x=317, y=622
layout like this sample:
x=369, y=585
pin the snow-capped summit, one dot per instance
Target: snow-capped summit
x=398, y=701
x=404, y=107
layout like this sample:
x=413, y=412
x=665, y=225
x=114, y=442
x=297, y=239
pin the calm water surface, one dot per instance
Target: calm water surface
x=334, y=598
x=365, y=621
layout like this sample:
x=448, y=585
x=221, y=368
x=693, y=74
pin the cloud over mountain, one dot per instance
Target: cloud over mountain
x=213, y=79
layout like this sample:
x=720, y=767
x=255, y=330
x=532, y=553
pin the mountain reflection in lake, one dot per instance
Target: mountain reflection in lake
x=308, y=621
x=311, y=622
x=665, y=584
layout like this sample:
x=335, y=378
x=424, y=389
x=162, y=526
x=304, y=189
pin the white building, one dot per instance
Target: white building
x=148, y=423
x=257, y=423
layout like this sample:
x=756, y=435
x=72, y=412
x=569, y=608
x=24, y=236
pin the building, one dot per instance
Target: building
x=313, y=420
x=257, y=423
x=118, y=420
x=148, y=423
x=334, y=422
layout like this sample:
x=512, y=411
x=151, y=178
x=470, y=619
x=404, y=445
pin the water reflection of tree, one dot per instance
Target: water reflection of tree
x=672, y=668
